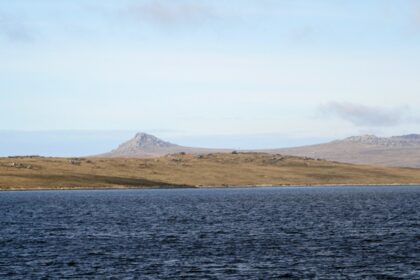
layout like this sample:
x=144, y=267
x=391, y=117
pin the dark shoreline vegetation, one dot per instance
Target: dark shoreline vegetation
x=192, y=171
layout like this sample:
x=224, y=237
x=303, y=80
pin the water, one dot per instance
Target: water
x=294, y=233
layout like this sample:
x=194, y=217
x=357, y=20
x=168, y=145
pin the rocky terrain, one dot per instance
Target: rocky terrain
x=394, y=141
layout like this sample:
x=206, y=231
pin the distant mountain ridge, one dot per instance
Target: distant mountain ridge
x=402, y=151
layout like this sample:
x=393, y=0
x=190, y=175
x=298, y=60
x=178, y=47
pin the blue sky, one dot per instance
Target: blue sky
x=249, y=73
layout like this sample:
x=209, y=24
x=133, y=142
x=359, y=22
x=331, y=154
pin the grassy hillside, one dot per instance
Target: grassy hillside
x=222, y=169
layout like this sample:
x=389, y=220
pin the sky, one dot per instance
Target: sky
x=238, y=73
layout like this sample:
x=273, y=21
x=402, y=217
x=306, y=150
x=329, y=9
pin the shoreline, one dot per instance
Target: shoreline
x=203, y=187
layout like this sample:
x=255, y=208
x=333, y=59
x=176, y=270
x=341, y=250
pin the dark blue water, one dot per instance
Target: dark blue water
x=297, y=233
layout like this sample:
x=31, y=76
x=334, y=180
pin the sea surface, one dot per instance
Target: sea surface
x=255, y=233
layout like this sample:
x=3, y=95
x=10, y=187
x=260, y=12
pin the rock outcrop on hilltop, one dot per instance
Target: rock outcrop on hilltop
x=394, y=141
x=146, y=145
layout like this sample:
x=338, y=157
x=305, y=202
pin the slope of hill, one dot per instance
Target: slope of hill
x=220, y=169
x=403, y=151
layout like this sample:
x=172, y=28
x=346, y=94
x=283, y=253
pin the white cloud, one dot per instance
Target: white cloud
x=368, y=116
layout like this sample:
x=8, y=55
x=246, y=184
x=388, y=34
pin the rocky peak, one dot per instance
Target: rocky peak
x=142, y=139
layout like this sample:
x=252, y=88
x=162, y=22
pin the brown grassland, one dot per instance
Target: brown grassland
x=178, y=170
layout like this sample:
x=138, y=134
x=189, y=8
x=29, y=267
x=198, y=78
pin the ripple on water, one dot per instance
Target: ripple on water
x=295, y=233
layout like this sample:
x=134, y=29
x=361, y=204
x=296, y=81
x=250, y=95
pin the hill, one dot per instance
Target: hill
x=146, y=145
x=179, y=170
x=398, y=151
x=402, y=151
